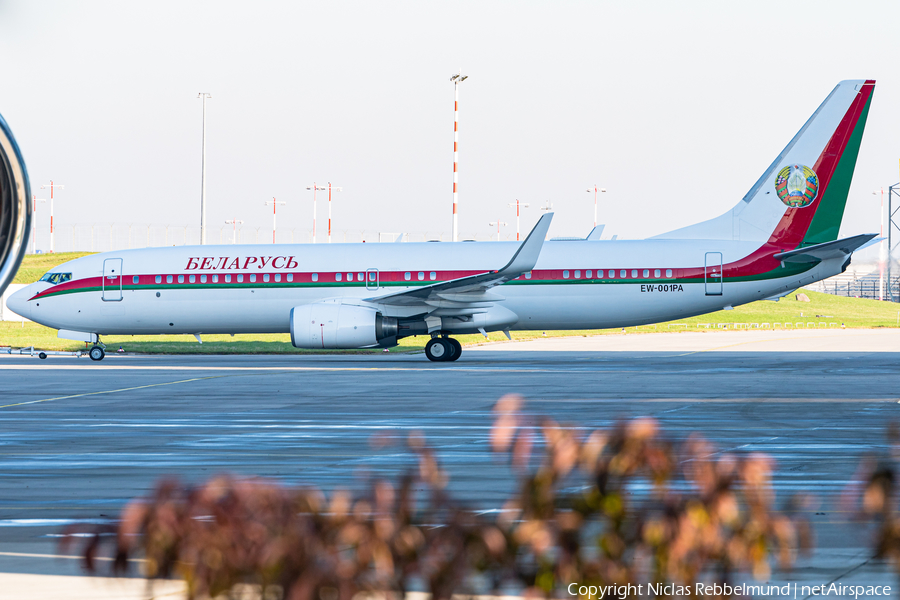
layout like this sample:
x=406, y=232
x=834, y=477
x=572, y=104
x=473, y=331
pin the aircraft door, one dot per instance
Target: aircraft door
x=371, y=279
x=712, y=274
x=112, y=280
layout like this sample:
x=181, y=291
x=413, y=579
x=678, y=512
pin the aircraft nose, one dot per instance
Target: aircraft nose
x=18, y=302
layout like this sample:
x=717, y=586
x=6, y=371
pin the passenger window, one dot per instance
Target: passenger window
x=338, y=276
x=656, y=272
x=634, y=273
x=266, y=277
x=668, y=272
x=290, y=276
x=578, y=274
x=135, y=279
x=528, y=275
x=253, y=278
x=277, y=277
x=623, y=274
x=599, y=274
x=159, y=279
x=192, y=278
x=181, y=279
x=240, y=279
x=407, y=276
x=228, y=279
x=587, y=274
x=565, y=274
x=203, y=279
x=646, y=273
x=360, y=277
x=421, y=275
x=168, y=279
x=372, y=275
x=315, y=276
x=349, y=276
x=432, y=276
x=215, y=279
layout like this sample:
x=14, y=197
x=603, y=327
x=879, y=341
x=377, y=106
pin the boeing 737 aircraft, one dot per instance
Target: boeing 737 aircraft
x=781, y=235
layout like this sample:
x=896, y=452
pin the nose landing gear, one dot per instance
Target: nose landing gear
x=97, y=353
x=443, y=349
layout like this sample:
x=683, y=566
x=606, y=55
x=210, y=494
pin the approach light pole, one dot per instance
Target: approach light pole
x=234, y=223
x=498, y=224
x=35, y=200
x=336, y=189
x=274, y=203
x=52, y=185
x=456, y=79
x=518, y=205
x=204, y=96
x=314, y=188
x=595, y=190
x=882, y=255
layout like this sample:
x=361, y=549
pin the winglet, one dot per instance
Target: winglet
x=527, y=255
x=595, y=233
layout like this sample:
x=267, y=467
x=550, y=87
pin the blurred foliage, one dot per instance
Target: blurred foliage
x=615, y=506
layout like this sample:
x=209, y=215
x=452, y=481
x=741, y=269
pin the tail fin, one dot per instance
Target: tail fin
x=800, y=198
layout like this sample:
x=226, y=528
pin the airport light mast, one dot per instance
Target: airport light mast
x=456, y=79
x=234, y=223
x=595, y=190
x=517, y=204
x=34, y=201
x=274, y=203
x=204, y=96
x=882, y=255
x=52, y=185
x=314, y=188
x=498, y=224
x=336, y=189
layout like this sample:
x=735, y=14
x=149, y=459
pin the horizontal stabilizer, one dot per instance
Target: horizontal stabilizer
x=820, y=252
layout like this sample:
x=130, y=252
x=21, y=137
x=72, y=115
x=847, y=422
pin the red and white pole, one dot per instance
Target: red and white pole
x=456, y=79
x=336, y=189
x=518, y=205
x=314, y=189
x=595, y=190
x=51, y=216
x=52, y=186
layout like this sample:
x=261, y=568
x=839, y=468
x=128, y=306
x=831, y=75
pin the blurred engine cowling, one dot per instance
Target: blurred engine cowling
x=15, y=206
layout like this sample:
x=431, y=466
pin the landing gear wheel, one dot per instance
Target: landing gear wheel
x=438, y=350
x=457, y=349
x=97, y=353
x=42, y=355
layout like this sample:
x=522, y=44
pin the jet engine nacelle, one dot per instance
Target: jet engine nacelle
x=337, y=325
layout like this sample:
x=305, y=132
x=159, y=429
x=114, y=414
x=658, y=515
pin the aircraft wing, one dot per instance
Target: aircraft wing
x=467, y=291
x=820, y=252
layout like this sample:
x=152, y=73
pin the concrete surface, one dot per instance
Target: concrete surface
x=78, y=439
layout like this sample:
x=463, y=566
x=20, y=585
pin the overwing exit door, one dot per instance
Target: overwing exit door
x=712, y=274
x=112, y=280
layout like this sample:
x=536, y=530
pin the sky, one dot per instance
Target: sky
x=675, y=108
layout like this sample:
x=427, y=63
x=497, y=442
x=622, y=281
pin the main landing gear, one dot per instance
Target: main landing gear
x=443, y=349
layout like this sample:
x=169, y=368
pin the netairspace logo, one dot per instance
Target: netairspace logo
x=790, y=590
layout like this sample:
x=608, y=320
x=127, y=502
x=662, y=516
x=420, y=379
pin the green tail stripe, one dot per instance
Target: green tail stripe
x=826, y=223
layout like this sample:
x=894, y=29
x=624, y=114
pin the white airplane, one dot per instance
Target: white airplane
x=780, y=236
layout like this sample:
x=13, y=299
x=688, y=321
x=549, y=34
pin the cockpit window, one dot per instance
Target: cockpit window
x=55, y=278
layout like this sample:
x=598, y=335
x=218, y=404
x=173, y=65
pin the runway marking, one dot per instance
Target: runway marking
x=139, y=387
x=275, y=369
x=744, y=343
